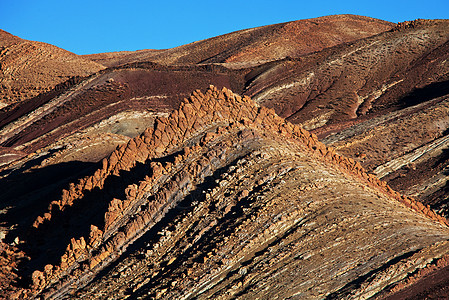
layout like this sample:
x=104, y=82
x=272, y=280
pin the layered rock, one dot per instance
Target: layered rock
x=201, y=111
x=260, y=162
x=338, y=87
x=223, y=198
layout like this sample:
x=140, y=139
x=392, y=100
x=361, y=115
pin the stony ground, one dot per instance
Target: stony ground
x=118, y=182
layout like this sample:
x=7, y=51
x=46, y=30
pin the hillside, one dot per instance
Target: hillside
x=257, y=45
x=30, y=68
x=222, y=186
x=323, y=174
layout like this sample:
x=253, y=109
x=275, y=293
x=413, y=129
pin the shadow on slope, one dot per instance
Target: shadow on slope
x=27, y=194
x=47, y=243
x=427, y=93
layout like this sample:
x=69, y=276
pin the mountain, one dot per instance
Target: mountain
x=120, y=182
x=31, y=68
x=381, y=101
x=220, y=196
x=261, y=44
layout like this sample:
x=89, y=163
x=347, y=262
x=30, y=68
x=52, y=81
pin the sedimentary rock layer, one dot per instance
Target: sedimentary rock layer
x=225, y=198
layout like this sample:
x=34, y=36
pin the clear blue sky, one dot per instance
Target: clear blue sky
x=90, y=26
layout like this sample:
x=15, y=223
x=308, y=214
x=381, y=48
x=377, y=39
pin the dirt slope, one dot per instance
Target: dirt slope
x=224, y=198
x=30, y=68
x=257, y=45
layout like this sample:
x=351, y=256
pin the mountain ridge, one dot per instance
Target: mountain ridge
x=156, y=141
x=30, y=68
x=121, y=182
x=293, y=35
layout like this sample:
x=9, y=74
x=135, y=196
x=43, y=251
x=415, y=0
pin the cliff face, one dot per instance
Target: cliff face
x=122, y=182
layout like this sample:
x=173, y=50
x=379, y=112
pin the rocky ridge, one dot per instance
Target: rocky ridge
x=202, y=119
x=380, y=100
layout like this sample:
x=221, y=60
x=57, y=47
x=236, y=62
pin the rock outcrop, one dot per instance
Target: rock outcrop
x=10, y=258
x=113, y=185
x=210, y=133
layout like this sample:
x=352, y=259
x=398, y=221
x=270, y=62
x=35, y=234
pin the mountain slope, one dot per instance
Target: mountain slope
x=381, y=101
x=30, y=68
x=350, y=81
x=225, y=198
x=261, y=44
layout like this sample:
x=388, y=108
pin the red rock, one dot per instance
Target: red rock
x=38, y=279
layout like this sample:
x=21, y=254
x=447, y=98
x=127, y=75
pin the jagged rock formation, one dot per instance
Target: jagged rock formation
x=381, y=101
x=145, y=89
x=225, y=196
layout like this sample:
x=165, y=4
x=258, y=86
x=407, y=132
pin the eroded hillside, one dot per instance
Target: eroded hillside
x=119, y=182
x=30, y=68
x=254, y=46
x=225, y=198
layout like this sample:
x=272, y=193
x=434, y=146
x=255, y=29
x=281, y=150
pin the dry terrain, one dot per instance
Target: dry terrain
x=303, y=160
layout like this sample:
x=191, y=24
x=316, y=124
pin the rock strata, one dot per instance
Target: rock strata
x=31, y=68
x=220, y=197
x=217, y=131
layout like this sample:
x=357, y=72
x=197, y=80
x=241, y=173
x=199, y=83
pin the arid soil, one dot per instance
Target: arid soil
x=257, y=45
x=323, y=174
x=31, y=68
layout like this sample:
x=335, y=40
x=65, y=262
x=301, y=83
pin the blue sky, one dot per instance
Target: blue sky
x=92, y=26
